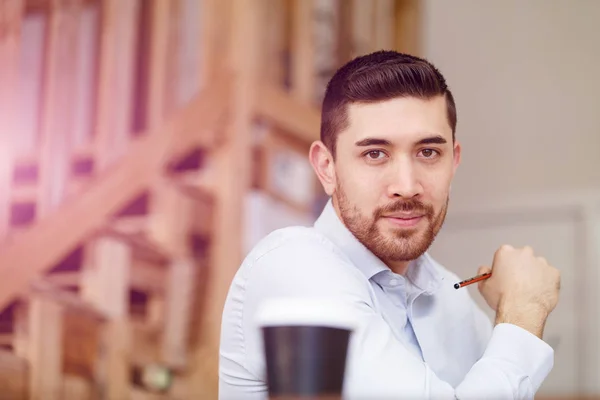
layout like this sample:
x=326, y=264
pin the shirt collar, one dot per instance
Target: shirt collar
x=422, y=272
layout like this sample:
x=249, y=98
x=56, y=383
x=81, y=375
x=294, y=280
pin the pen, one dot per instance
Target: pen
x=472, y=280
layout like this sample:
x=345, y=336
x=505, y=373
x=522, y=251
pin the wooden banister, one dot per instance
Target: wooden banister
x=37, y=249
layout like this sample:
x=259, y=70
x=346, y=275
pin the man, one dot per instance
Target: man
x=387, y=156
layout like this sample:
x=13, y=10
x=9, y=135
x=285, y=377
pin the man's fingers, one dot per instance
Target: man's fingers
x=483, y=270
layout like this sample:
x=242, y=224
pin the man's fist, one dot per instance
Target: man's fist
x=523, y=288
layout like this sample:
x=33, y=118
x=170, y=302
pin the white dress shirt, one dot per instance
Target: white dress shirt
x=418, y=336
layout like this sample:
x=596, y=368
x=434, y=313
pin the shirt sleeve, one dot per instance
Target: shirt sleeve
x=513, y=365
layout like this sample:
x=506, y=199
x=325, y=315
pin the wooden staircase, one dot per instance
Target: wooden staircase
x=128, y=144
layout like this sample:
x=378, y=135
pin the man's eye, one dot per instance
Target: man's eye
x=375, y=154
x=429, y=153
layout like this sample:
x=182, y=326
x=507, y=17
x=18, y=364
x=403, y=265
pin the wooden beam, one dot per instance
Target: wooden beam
x=142, y=247
x=13, y=376
x=325, y=27
x=178, y=304
x=24, y=194
x=10, y=38
x=171, y=213
x=303, y=52
x=85, y=78
x=276, y=38
x=81, y=344
x=38, y=6
x=232, y=162
x=408, y=23
x=60, y=279
x=148, y=277
x=279, y=108
x=118, y=342
x=115, y=81
x=145, y=349
x=45, y=357
x=106, y=276
x=61, y=231
x=145, y=276
x=76, y=388
x=106, y=285
x=67, y=300
x=159, y=42
x=214, y=38
x=383, y=36
x=363, y=19
x=345, y=47
x=170, y=218
x=58, y=120
x=21, y=330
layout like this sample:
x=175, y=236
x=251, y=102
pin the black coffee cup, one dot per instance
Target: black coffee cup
x=305, y=347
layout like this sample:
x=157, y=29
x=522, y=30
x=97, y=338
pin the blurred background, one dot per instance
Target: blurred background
x=147, y=145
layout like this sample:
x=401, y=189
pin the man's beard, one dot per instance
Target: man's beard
x=403, y=244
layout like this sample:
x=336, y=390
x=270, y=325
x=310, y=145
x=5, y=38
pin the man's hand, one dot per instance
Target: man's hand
x=523, y=288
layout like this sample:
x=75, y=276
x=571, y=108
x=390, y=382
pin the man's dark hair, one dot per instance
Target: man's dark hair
x=375, y=77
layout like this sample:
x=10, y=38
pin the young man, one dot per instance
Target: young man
x=386, y=157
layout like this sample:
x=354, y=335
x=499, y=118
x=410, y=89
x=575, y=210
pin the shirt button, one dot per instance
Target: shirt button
x=393, y=282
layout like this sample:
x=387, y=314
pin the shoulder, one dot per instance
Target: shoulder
x=302, y=253
x=291, y=239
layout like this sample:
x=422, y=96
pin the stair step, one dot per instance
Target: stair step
x=29, y=193
x=148, y=277
x=143, y=248
x=24, y=193
x=61, y=279
x=201, y=180
x=144, y=276
x=131, y=224
x=68, y=299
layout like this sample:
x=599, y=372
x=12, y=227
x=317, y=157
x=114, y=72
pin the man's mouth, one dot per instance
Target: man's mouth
x=405, y=219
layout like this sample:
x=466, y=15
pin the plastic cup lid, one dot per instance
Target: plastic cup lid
x=292, y=311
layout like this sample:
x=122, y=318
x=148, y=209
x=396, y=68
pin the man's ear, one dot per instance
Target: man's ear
x=456, y=161
x=322, y=162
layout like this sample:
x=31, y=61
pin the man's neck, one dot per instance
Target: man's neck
x=398, y=267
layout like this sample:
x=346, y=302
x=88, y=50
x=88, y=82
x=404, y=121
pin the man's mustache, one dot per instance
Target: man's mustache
x=405, y=206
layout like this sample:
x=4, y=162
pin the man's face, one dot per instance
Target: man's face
x=393, y=168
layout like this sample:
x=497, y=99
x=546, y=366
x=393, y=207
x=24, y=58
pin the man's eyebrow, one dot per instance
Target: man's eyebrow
x=433, y=140
x=373, y=142
x=437, y=139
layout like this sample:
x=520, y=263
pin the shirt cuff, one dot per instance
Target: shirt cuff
x=522, y=349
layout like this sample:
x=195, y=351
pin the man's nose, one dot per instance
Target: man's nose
x=404, y=181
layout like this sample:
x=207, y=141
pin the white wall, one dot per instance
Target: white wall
x=526, y=77
x=566, y=231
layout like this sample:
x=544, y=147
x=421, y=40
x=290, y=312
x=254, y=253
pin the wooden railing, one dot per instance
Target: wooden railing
x=127, y=151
